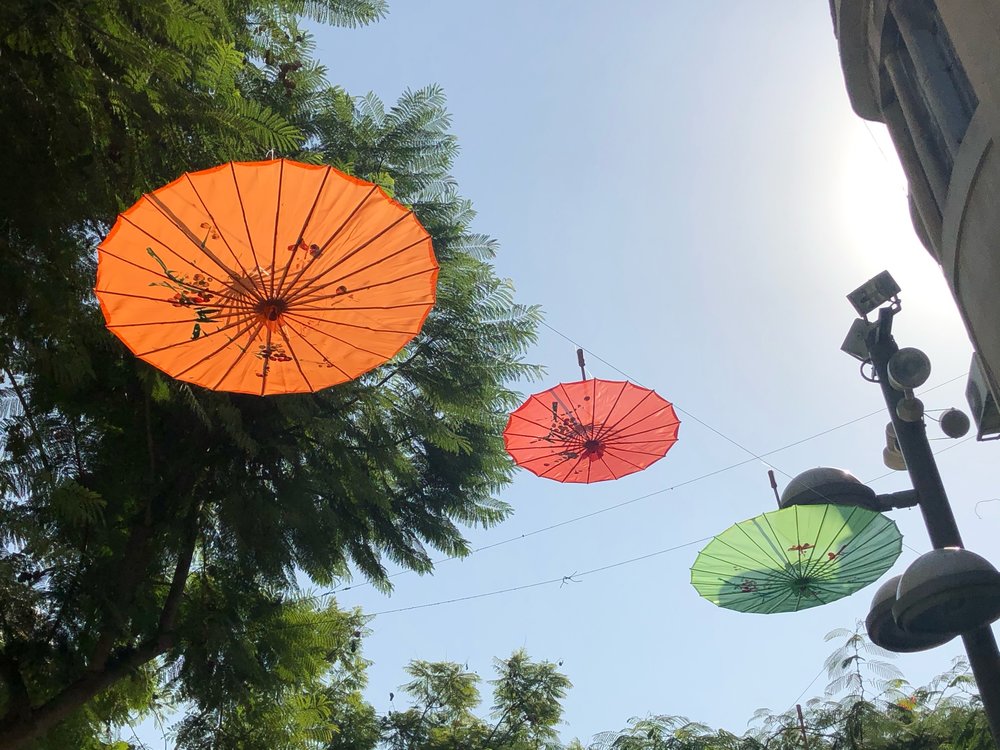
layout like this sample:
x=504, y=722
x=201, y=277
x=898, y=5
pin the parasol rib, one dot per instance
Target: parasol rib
x=371, y=265
x=164, y=209
x=572, y=469
x=239, y=357
x=779, y=554
x=295, y=359
x=544, y=426
x=186, y=342
x=147, y=298
x=561, y=460
x=222, y=232
x=323, y=357
x=347, y=343
x=367, y=287
x=308, y=285
x=344, y=308
x=274, y=239
x=329, y=321
x=607, y=429
x=620, y=437
x=617, y=451
x=778, y=571
x=616, y=433
x=819, y=559
x=302, y=231
x=333, y=236
x=246, y=225
x=255, y=325
x=187, y=261
x=265, y=368
x=774, y=534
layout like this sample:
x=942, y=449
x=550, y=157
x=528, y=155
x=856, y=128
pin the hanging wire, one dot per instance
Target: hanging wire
x=806, y=688
x=616, y=506
x=558, y=579
x=689, y=414
x=561, y=579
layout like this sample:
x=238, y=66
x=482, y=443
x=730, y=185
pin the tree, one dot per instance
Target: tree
x=306, y=690
x=526, y=708
x=104, y=100
x=666, y=732
x=153, y=534
x=867, y=706
x=655, y=733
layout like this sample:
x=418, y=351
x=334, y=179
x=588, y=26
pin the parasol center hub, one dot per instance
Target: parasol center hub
x=271, y=310
x=593, y=449
x=803, y=584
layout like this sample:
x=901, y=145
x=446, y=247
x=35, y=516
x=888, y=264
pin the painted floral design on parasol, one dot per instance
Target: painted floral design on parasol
x=591, y=430
x=796, y=558
x=266, y=277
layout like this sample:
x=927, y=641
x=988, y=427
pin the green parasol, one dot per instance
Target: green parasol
x=796, y=558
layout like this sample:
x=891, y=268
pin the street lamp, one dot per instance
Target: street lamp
x=949, y=591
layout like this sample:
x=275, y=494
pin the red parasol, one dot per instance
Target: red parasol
x=591, y=430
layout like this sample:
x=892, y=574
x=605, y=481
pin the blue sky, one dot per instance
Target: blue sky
x=686, y=191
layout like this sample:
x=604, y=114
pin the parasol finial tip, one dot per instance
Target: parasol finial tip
x=774, y=486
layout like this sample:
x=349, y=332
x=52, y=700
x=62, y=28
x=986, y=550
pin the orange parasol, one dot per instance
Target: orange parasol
x=266, y=277
x=591, y=430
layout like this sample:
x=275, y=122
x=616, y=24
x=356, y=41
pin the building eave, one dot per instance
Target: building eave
x=852, y=40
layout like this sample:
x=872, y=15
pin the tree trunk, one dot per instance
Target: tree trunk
x=18, y=729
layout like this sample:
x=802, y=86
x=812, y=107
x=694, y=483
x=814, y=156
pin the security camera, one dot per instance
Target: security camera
x=874, y=293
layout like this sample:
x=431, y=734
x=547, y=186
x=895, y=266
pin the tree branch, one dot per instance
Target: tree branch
x=17, y=731
x=171, y=604
x=21, y=727
x=503, y=717
x=139, y=552
x=137, y=556
x=19, y=702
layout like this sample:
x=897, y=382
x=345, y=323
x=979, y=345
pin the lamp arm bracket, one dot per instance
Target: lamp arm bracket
x=894, y=500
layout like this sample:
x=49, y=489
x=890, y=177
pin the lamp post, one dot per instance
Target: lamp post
x=949, y=591
x=911, y=434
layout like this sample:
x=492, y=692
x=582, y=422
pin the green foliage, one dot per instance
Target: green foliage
x=654, y=733
x=868, y=706
x=109, y=98
x=859, y=664
x=526, y=703
x=526, y=708
x=286, y=675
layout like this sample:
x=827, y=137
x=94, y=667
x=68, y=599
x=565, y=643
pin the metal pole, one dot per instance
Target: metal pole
x=913, y=443
x=802, y=726
x=980, y=644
